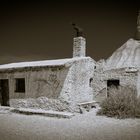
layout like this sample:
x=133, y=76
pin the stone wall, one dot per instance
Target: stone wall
x=38, y=82
x=77, y=85
x=126, y=78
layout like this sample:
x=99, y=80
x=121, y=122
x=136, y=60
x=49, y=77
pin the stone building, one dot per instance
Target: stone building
x=121, y=69
x=67, y=79
x=107, y=79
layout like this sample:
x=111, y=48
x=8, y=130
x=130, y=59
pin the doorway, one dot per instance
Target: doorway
x=4, y=92
x=113, y=83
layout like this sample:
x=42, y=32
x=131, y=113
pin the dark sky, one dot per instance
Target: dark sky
x=38, y=30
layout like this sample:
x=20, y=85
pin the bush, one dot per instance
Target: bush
x=121, y=103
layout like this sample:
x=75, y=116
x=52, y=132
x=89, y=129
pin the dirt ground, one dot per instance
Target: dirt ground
x=87, y=126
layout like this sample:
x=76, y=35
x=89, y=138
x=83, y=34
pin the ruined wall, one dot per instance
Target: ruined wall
x=127, y=78
x=77, y=85
x=38, y=82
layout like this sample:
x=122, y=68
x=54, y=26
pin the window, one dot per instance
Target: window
x=20, y=85
x=90, y=82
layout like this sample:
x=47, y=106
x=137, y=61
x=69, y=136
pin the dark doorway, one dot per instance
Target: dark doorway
x=4, y=92
x=113, y=83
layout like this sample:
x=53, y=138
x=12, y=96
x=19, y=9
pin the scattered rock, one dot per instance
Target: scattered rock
x=45, y=103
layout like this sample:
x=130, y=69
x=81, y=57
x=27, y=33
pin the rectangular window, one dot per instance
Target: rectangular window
x=20, y=85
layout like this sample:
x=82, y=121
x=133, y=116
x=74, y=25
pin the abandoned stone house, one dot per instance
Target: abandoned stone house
x=105, y=80
x=67, y=79
x=121, y=69
x=77, y=79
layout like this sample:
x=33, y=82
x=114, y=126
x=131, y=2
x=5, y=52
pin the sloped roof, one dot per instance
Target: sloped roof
x=128, y=55
x=48, y=63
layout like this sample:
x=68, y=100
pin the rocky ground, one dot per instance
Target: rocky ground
x=44, y=103
x=86, y=126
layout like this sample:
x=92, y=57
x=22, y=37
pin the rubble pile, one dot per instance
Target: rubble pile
x=44, y=103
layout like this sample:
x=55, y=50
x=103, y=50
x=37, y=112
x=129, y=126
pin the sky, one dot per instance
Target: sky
x=40, y=30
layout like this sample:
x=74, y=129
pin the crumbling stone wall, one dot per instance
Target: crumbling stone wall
x=42, y=81
x=77, y=84
x=126, y=78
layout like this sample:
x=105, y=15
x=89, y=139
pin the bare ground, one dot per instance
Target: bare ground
x=81, y=127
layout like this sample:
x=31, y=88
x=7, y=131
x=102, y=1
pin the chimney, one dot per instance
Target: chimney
x=79, y=46
x=138, y=27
